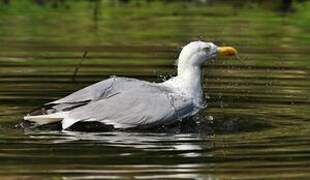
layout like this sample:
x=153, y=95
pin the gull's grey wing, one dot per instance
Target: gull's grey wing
x=144, y=106
x=99, y=90
x=88, y=94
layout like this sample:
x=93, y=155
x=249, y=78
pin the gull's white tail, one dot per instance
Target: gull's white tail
x=46, y=119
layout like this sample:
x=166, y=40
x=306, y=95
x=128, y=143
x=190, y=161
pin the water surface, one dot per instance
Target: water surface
x=259, y=103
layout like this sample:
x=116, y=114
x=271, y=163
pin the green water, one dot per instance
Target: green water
x=260, y=103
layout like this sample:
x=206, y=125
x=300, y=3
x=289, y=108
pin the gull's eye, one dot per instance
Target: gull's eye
x=206, y=49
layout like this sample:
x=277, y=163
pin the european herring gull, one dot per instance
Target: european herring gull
x=131, y=103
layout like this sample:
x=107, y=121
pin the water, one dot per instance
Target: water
x=260, y=103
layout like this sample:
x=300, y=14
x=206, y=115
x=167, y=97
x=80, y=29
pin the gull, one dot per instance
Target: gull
x=126, y=103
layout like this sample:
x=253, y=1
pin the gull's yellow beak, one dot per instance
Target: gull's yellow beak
x=227, y=51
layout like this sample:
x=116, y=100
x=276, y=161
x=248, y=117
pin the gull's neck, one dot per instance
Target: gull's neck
x=188, y=81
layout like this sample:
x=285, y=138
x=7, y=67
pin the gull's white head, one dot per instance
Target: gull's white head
x=196, y=53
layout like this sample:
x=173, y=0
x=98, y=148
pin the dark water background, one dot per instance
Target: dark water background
x=260, y=103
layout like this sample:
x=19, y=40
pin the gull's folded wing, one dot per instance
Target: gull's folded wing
x=86, y=95
x=143, y=106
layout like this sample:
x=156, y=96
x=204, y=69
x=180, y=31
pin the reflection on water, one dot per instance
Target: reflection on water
x=259, y=103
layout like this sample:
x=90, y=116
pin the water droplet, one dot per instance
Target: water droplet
x=221, y=104
x=210, y=118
